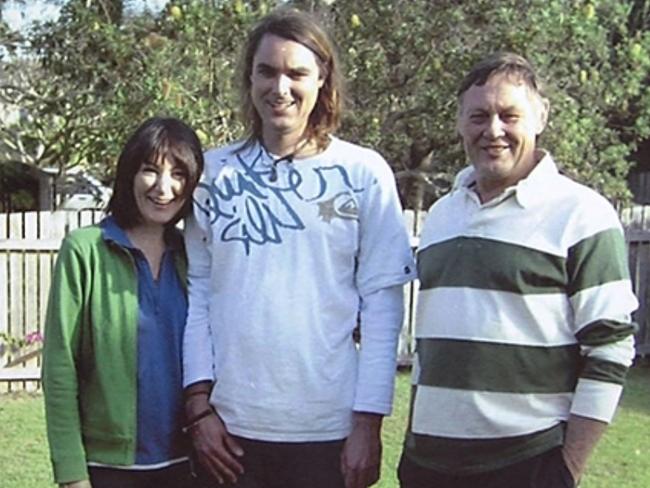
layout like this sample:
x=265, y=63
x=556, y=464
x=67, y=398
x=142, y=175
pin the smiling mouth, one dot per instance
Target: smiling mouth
x=495, y=150
x=162, y=203
x=280, y=106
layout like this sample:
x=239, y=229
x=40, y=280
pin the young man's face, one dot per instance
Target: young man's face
x=285, y=80
x=499, y=123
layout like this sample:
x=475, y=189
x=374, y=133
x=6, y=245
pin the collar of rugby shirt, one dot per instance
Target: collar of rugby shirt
x=526, y=192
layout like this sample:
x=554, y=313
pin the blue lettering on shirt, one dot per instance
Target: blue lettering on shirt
x=257, y=210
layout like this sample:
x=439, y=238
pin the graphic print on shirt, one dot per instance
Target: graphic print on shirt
x=257, y=210
x=342, y=206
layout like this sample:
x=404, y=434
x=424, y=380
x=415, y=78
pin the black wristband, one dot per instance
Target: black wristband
x=196, y=419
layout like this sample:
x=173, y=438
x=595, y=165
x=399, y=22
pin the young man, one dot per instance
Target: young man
x=523, y=323
x=298, y=236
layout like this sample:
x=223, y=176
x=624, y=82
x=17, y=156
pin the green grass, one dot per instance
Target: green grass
x=621, y=460
x=24, y=456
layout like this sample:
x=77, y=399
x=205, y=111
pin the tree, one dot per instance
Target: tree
x=405, y=59
x=97, y=72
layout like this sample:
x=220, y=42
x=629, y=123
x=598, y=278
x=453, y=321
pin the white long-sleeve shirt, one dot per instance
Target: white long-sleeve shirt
x=284, y=260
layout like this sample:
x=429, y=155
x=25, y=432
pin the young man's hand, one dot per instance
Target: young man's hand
x=216, y=449
x=361, y=456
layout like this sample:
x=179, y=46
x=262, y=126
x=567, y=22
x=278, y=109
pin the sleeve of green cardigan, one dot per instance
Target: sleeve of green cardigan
x=60, y=386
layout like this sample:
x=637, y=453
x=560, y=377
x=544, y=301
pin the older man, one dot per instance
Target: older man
x=298, y=236
x=523, y=322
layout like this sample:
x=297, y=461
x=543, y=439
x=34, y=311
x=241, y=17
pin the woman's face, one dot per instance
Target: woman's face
x=158, y=191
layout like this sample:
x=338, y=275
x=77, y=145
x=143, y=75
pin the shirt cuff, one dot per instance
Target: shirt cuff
x=596, y=399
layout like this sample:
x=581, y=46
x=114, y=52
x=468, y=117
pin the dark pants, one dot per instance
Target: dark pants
x=174, y=476
x=287, y=465
x=547, y=470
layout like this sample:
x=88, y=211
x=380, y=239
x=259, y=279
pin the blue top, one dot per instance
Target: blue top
x=162, y=313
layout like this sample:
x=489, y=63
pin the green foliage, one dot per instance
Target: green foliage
x=406, y=58
x=95, y=73
x=97, y=76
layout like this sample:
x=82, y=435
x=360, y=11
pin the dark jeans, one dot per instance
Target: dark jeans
x=286, y=465
x=174, y=476
x=547, y=470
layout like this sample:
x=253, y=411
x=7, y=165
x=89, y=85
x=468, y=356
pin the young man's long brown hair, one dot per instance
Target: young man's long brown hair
x=299, y=27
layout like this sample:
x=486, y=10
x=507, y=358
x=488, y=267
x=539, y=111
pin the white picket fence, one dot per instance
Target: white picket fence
x=28, y=246
x=29, y=243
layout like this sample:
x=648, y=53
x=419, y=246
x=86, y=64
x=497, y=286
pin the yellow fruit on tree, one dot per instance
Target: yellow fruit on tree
x=203, y=137
x=355, y=21
x=166, y=88
x=263, y=8
x=589, y=10
x=176, y=12
x=584, y=76
x=594, y=74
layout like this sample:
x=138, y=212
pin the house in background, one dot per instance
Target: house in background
x=25, y=188
x=80, y=191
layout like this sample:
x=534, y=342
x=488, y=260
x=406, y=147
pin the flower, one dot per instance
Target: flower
x=14, y=345
x=33, y=338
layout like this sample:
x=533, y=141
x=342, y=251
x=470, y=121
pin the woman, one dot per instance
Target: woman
x=115, y=320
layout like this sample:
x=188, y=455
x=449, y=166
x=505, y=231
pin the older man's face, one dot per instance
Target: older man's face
x=285, y=81
x=499, y=123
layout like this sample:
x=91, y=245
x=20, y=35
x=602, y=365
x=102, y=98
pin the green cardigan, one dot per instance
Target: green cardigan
x=89, y=355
